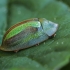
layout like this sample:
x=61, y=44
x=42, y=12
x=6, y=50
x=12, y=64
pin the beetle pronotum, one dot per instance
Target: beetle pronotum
x=28, y=33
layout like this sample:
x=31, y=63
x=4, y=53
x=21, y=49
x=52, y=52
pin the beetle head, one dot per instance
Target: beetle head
x=48, y=27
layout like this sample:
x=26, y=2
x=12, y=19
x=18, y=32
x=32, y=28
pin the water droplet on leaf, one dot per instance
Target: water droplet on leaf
x=19, y=12
x=54, y=18
x=57, y=43
x=62, y=42
x=44, y=43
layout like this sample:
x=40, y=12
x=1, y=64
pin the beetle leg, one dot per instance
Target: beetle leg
x=52, y=36
x=16, y=51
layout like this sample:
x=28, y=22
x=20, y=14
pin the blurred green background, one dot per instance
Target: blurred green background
x=53, y=54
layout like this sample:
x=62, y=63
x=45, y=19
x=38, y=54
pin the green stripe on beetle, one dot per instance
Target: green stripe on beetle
x=19, y=28
x=28, y=33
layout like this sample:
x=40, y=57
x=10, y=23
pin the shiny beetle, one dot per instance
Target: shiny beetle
x=28, y=33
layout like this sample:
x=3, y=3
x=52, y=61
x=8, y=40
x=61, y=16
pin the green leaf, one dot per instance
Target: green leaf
x=52, y=54
x=66, y=1
x=18, y=63
x=3, y=18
